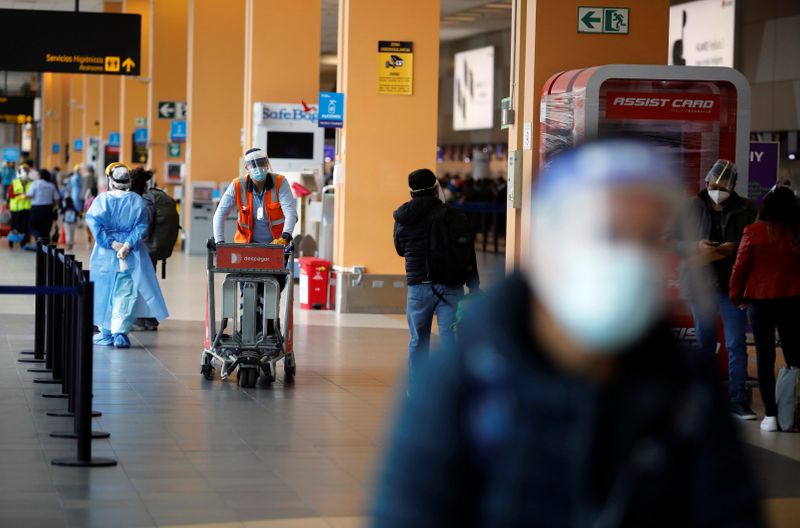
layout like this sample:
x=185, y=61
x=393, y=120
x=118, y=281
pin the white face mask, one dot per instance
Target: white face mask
x=719, y=196
x=605, y=296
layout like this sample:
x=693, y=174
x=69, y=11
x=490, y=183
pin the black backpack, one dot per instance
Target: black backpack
x=451, y=248
x=166, y=225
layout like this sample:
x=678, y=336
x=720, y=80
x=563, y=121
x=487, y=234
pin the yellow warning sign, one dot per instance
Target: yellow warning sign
x=112, y=64
x=395, y=67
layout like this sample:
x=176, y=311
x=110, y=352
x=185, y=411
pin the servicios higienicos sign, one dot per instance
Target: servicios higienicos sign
x=67, y=42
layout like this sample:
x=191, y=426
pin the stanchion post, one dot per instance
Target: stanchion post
x=83, y=368
x=49, y=308
x=55, y=352
x=38, y=333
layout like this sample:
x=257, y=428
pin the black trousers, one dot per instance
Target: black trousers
x=765, y=317
x=41, y=222
x=19, y=222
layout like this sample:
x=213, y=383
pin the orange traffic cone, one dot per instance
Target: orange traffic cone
x=62, y=238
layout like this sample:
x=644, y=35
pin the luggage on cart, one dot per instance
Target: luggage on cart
x=255, y=330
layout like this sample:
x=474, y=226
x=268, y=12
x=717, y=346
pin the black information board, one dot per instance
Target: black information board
x=15, y=106
x=69, y=42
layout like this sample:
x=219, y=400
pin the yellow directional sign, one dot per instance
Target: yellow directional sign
x=395, y=67
x=112, y=64
x=128, y=64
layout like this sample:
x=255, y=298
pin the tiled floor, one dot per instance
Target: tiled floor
x=198, y=453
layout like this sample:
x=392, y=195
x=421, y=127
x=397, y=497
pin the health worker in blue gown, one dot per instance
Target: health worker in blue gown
x=125, y=283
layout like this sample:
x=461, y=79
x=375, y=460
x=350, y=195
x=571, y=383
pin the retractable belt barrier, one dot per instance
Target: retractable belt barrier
x=63, y=345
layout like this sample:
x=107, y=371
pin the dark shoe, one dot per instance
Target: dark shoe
x=150, y=324
x=138, y=325
x=742, y=411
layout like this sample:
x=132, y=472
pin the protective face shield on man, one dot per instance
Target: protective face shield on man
x=23, y=172
x=257, y=164
x=119, y=176
x=601, y=214
x=721, y=180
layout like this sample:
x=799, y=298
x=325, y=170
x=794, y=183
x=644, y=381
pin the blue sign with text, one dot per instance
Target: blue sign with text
x=140, y=136
x=177, y=131
x=331, y=110
x=78, y=145
x=113, y=139
x=56, y=148
x=11, y=154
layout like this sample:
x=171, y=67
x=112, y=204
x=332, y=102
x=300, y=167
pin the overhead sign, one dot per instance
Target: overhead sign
x=674, y=106
x=177, y=131
x=395, y=67
x=78, y=145
x=763, y=169
x=613, y=20
x=11, y=154
x=702, y=33
x=140, y=136
x=473, y=89
x=113, y=139
x=171, y=110
x=174, y=150
x=331, y=110
x=14, y=107
x=70, y=42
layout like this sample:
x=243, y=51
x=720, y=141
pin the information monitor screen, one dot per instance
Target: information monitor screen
x=290, y=145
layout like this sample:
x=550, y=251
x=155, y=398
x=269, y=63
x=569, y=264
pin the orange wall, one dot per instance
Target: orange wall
x=552, y=44
x=110, y=98
x=270, y=73
x=64, y=79
x=91, y=97
x=133, y=90
x=215, y=89
x=168, y=56
x=52, y=94
x=385, y=136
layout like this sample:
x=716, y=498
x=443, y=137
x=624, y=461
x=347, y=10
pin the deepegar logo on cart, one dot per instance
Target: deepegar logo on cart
x=236, y=258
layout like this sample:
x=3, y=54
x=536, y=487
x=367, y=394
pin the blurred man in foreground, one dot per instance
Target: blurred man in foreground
x=567, y=403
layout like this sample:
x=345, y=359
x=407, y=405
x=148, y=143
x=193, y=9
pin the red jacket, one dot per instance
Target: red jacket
x=767, y=265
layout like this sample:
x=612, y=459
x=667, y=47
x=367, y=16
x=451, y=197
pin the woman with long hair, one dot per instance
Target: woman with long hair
x=766, y=280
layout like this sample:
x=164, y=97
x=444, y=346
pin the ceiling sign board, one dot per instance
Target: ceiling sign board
x=69, y=42
x=172, y=109
x=16, y=106
x=702, y=33
x=473, y=89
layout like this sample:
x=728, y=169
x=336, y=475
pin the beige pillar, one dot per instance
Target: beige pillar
x=76, y=108
x=91, y=116
x=168, y=55
x=133, y=90
x=384, y=136
x=52, y=94
x=215, y=89
x=271, y=74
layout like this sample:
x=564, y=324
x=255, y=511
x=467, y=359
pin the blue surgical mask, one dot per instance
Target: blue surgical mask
x=606, y=297
x=258, y=174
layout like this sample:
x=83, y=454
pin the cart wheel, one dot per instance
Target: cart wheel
x=289, y=367
x=247, y=377
x=207, y=371
x=268, y=375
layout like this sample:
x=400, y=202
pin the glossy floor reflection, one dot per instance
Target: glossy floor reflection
x=207, y=453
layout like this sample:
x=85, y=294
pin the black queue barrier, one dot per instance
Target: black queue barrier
x=38, y=343
x=64, y=324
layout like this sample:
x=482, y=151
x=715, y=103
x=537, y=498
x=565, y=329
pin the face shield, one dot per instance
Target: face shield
x=600, y=230
x=721, y=180
x=257, y=164
x=119, y=176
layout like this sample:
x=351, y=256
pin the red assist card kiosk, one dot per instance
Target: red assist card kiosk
x=694, y=114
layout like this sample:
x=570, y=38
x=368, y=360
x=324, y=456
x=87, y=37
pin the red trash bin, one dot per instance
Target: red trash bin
x=316, y=284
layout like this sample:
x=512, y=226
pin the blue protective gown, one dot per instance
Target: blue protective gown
x=122, y=216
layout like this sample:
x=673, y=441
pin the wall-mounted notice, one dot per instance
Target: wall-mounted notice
x=473, y=89
x=395, y=67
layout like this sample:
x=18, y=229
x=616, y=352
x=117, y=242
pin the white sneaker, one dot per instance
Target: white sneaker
x=769, y=424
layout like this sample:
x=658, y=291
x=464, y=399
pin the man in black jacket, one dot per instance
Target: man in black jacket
x=565, y=402
x=429, y=295
x=720, y=216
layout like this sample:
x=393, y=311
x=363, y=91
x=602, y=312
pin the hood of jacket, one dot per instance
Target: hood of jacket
x=416, y=210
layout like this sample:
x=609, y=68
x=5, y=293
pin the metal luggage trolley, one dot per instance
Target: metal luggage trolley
x=249, y=268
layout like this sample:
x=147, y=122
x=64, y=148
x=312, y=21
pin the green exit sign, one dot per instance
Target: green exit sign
x=614, y=20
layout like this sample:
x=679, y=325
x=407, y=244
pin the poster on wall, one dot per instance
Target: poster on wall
x=473, y=89
x=701, y=33
x=764, y=168
x=395, y=67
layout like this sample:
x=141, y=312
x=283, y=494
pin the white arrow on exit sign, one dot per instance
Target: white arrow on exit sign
x=166, y=110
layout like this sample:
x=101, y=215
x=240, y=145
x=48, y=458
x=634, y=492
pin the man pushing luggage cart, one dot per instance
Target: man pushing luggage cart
x=257, y=267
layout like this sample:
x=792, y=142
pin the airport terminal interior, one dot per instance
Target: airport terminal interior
x=298, y=416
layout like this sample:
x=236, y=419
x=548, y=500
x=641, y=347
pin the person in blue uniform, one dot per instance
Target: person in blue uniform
x=126, y=286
